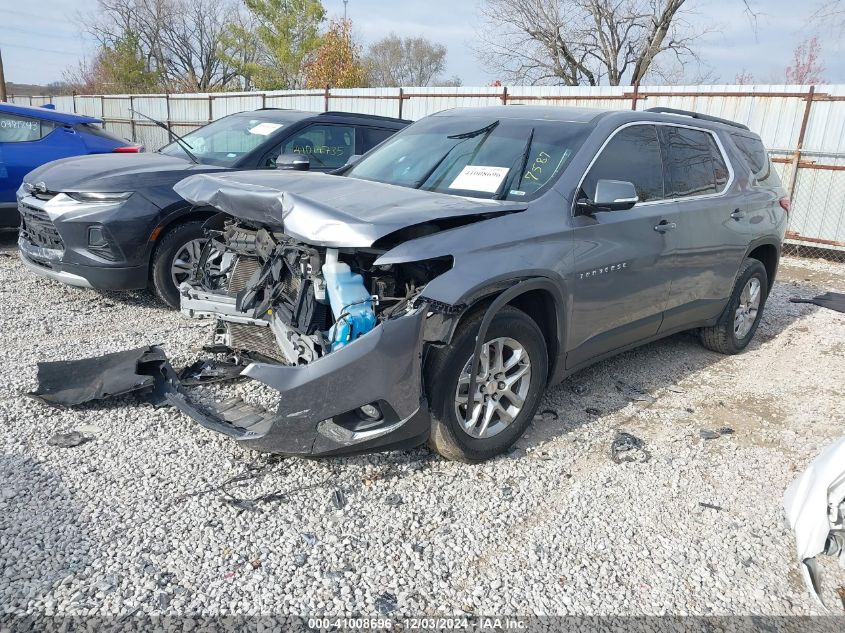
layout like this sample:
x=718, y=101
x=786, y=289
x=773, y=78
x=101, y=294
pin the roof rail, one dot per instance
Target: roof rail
x=377, y=117
x=698, y=115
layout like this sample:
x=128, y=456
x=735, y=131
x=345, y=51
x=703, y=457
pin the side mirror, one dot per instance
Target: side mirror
x=610, y=195
x=296, y=162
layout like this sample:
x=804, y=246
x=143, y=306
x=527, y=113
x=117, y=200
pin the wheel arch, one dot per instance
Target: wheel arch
x=171, y=221
x=540, y=298
x=767, y=252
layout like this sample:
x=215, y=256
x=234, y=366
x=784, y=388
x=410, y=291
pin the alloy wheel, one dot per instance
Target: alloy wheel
x=749, y=306
x=502, y=384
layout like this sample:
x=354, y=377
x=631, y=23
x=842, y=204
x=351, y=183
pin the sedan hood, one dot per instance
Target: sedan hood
x=334, y=211
x=113, y=172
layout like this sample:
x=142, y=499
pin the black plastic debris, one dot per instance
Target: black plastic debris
x=385, y=603
x=68, y=440
x=633, y=393
x=73, y=382
x=710, y=506
x=707, y=434
x=338, y=499
x=210, y=370
x=830, y=300
x=592, y=411
x=628, y=448
x=393, y=500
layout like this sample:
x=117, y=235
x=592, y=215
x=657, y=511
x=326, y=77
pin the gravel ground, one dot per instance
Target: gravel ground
x=136, y=520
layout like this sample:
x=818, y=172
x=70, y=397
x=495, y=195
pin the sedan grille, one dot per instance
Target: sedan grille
x=37, y=227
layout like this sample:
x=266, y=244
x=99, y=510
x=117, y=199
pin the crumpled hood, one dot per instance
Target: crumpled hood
x=113, y=172
x=325, y=210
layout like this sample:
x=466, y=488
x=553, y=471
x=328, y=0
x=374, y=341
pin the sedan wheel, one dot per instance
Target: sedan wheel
x=185, y=261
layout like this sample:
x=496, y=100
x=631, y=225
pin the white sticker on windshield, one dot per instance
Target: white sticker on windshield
x=480, y=178
x=263, y=129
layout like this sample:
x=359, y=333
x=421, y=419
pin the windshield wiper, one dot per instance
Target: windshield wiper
x=186, y=147
x=526, y=152
x=462, y=137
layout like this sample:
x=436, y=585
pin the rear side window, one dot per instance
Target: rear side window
x=19, y=129
x=757, y=159
x=633, y=154
x=373, y=136
x=96, y=130
x=694, y=163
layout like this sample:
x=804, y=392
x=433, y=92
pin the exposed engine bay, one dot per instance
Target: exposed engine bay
x=282, y=301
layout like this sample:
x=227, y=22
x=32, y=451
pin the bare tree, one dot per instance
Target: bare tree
x=410, y=61
x=578, y=42
x=179, y=40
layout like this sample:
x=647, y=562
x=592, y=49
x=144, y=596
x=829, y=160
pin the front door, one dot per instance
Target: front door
x=623, y=259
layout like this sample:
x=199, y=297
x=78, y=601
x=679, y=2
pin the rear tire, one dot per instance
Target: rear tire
x=176, y=254
x=738, y=323
x=515, y=340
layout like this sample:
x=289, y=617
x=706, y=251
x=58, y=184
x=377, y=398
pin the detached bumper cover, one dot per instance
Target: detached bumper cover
x=315, y=415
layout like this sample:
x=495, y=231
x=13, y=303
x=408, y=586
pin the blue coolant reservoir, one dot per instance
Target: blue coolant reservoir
x=351, y=304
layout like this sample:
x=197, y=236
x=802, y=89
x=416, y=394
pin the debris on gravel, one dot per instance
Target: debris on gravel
x=141, y=520
x=67, y=440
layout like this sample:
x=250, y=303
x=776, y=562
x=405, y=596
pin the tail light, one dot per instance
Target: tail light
x=784, y=203
x=128, y=149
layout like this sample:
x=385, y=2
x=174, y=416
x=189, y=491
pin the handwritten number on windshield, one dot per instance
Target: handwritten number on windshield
x=536, y=169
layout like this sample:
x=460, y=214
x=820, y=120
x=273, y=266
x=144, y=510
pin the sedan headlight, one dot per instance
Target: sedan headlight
x=86, y=196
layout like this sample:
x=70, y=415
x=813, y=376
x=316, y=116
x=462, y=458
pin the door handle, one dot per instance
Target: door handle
x=738, y=214
x=664, y=226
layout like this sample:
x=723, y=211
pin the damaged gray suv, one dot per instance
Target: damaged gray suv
x=434, y=289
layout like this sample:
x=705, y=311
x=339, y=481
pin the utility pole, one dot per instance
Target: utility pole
x=2, y=80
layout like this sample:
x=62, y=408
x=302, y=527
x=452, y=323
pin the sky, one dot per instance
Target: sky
x=39, y=40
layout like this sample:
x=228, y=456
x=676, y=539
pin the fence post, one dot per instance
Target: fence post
x=796, y=158
x=635, y=96
x=74, y=101
x=504, y=95
x=326, y=96
x=167, y=113
x=401, y=100
x=132, y=117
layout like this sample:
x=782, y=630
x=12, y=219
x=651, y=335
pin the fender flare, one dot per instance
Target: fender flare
x=511, y=293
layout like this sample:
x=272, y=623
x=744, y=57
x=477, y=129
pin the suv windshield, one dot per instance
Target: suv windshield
x=507, y=159
x=225, y=141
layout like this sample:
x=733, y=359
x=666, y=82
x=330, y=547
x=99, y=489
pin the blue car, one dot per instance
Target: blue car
x=30, y=137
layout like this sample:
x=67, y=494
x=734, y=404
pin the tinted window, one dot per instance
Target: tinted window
x=373, y=136
x=478, y=156
x=633, y=154
x=17, y=129
x=755, y=156
x=694, y=164
x=328, y=146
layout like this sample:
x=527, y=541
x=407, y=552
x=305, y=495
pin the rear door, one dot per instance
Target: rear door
x=28, y=142
x=623, y=259
x=712, y=225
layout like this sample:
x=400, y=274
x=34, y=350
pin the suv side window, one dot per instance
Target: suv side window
x=328, y=146
x=694, y=163
x=755, y=156
x=19, y=129
x=372, y=136
x=633, y=154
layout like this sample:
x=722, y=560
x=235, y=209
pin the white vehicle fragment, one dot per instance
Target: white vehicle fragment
x=815, y=510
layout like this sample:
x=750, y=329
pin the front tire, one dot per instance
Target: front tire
x=738, y=323
x=511, y=378
x=176, y=258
